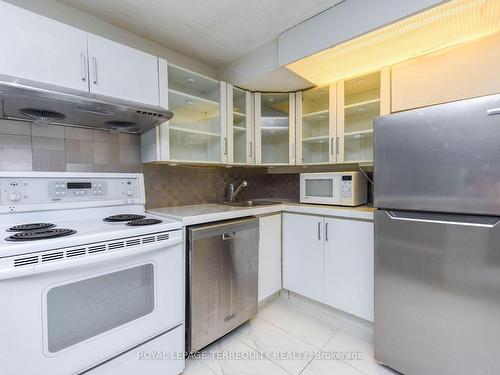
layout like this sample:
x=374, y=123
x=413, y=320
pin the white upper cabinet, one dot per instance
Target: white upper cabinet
x=274, y=128
x=316, y=125
x=197, y=132
x=122, y=72
x=40, y=49
x=359, y=101
x=240, y=132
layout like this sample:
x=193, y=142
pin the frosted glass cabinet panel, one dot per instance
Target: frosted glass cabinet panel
x=316, y=133
x=197, y=130
x=240, y=143
x=275, y=128
x=359, y=101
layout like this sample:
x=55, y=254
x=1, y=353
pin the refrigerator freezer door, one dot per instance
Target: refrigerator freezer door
x=437, y=293
x=444, y=158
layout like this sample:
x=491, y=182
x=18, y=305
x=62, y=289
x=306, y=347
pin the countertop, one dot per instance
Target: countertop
x=204, y=213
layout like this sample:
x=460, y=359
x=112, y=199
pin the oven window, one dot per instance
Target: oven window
x=87, y=308
x=319, y=188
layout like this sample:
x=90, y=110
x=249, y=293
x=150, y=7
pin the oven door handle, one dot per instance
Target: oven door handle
x=66, y=263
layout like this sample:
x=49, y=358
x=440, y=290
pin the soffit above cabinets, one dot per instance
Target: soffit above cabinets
x=449, y=24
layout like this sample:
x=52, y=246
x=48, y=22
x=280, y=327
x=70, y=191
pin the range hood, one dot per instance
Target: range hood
x=47, y=104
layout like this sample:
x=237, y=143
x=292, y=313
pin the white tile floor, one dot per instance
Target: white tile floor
x=286, y=326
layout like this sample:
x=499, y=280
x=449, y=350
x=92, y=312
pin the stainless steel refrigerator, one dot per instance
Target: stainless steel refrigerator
x=437, y=239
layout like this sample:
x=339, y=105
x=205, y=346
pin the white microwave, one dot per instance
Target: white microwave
x=335, y=188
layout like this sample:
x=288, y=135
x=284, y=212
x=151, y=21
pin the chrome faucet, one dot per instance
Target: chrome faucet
x=232, y=191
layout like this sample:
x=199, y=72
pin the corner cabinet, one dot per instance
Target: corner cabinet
x=274, y=128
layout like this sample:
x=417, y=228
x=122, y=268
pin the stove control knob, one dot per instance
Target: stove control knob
x=130, y=193
x=14, y=197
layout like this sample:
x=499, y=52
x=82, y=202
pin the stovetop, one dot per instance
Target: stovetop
x=28, y=235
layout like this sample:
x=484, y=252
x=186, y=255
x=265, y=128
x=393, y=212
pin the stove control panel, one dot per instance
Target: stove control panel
x=77, y=189
x=16, y=191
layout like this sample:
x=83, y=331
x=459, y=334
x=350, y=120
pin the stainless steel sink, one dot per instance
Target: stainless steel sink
x=252, y=203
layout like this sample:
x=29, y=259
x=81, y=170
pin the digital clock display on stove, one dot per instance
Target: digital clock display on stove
x=79, y=185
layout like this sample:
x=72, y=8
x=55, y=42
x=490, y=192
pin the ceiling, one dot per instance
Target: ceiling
x=212, y=31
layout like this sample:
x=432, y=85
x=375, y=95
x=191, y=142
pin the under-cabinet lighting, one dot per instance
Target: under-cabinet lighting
x=449, y=24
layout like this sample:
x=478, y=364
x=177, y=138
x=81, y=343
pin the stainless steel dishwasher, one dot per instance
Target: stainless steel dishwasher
x=222, y=263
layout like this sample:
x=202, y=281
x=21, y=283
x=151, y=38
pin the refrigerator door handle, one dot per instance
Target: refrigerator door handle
x=493, y=112
x=478, y=221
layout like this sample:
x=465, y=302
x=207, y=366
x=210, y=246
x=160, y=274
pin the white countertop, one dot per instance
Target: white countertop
x=204, y=213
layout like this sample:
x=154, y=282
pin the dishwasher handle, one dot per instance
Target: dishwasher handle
x=229, y=236
x=221, y=229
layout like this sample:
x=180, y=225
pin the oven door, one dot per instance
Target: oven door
x=72, y=314
x=320, y=188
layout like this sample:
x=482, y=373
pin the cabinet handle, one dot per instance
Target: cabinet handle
x=326, y=231
x=251, y=149
x=94, y=66
x=319, y=231
x=83, y=60
x=332, y=150
x=225, y=146
x=337, y=145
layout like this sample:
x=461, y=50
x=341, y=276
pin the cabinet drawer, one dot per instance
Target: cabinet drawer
x=152, y=358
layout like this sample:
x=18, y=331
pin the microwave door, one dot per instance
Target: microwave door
x=321, y=190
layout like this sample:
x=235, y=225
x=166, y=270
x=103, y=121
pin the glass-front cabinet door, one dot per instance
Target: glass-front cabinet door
x=240, y=143
x=274, y=128
x=316, y=132
x=359, y=101
x=197, y=131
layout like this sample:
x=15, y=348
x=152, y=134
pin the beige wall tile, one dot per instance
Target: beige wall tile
x=76, y=167
x=15, y=127
x=22, y=142
x=52, y=131
x=47, y=143
x=103, y=136
x=129, y=139
x=15, y=165
x=15, y=159
x=130, y=154
x=46, y=160
x=111, y=148
x=79, y=152
x=78, y=133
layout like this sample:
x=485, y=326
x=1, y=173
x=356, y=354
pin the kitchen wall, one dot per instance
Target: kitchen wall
x=168, y=186
x=25, y=146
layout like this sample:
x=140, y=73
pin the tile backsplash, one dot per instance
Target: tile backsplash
x=168, y=186
x=25, y=146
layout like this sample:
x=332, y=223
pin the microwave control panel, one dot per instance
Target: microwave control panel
x=346, y=186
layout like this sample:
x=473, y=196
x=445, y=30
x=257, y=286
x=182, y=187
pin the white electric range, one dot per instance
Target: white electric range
x=88, y=281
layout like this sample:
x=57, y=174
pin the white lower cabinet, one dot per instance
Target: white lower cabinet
x=330, y=260
x=349, y=266
x=269, y=256
x=303, y=255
